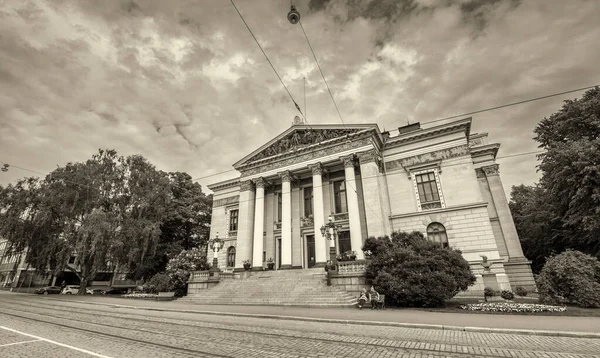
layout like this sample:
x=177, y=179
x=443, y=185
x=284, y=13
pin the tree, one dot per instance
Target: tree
x=413, y=271
x=570, y=167
x=106, y=210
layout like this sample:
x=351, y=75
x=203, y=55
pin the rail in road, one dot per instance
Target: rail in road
x=121, y=332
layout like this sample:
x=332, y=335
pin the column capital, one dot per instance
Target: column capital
x=348, y=161
x=367, y=157
x=491, y=170
x=246, y=185
x=480, y=173
x=285, y=176
x=317, y=168
x=259, y=182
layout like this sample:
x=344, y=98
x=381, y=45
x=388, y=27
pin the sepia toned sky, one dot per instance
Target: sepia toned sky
x=184, y=84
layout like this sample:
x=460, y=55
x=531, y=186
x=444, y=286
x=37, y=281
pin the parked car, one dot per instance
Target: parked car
x=48, y=290
x=73, y=290
x=115, y=291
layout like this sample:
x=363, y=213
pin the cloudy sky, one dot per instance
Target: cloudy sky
x=184, y=84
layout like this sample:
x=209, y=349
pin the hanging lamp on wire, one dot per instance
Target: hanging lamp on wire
x=293, y=16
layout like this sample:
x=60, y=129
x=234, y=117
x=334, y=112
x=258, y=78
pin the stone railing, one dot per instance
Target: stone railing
x=196, y=276
x=352, y=267
x=342, y=216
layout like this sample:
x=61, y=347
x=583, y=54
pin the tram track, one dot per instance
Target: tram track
x=297, y=340
x=250, y=337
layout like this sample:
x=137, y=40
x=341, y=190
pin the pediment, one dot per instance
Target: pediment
x=302, y=137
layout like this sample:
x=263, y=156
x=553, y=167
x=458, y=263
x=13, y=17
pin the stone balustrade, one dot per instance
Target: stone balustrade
x=196, y=276
x=352, y=267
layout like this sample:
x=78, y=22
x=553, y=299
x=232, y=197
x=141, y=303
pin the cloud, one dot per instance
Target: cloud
x=183, y=83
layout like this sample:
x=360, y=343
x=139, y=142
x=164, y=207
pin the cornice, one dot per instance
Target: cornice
x=488, y=149
x=464, y=125
x=224, y=184
x=433, y=158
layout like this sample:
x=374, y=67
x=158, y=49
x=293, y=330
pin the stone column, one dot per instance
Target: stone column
x=318, y=214
x=507, y=224
x=374, y=194
x=245, y=224
x=353, y=213
x=286, y=220
x=259, y=223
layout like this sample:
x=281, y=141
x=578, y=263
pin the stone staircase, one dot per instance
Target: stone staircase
x=307, y=288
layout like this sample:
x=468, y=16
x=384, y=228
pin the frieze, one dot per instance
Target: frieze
x=475, y=142
x=305, y=157
x=317, y=168
x=428, y=157
x=491, y=170
x=246, y=185
x=300, y=139
x=226, y=201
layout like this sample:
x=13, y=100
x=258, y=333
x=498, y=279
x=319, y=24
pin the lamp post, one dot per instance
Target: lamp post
x=330, y=231
x=216, y=244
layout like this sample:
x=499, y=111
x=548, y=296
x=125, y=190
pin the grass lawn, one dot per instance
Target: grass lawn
x=453, y=306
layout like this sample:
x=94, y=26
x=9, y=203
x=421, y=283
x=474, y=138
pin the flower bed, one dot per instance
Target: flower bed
x=512, y=307
x=141, y=296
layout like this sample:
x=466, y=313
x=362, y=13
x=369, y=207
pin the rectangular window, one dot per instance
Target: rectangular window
x=429, y=195
x=308, y=201
x=344, y=241
x=233, y=220
x=339, y=197
x=279, y=206
x=72, y=260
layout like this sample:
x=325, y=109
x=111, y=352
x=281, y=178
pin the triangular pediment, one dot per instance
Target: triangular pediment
x=303, y=137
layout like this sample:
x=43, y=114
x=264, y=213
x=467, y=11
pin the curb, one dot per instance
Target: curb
x=358, y=322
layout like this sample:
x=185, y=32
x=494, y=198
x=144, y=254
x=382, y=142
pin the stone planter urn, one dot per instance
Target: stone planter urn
x=247, y=265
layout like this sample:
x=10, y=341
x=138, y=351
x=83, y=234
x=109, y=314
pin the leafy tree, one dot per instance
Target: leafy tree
x=413, y=271
x=107, y=211
x=563, y=211
x=573, y=277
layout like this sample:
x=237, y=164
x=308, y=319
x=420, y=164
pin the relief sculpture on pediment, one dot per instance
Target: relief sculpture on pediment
x=300, y=139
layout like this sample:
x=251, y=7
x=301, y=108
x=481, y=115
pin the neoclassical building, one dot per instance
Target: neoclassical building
x=441, y=180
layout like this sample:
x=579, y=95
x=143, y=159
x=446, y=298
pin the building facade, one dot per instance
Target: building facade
x=440, y=180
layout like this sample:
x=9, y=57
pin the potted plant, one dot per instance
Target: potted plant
x=270, y=263
x=247, y=265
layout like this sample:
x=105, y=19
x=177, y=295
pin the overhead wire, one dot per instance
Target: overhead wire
x=267, y=57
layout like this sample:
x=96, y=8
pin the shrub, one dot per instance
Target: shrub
x=179, y=267
x=507, y=295
x=520, y=291
x=159, y=283
x=415, y=272
x=572, y=277
x=488, y=292
x=512, y=307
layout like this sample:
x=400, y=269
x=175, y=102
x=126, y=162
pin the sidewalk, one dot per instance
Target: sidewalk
x=414, y=318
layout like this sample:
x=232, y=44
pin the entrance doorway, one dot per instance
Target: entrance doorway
x=278, y=252
x=310, y=250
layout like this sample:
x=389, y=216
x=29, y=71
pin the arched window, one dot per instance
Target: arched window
x=436, y=232
x=231, y=256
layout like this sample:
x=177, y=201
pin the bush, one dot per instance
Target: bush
x=159, y=283
x=488, y=292
x=179, y=268
x=571, y=277
x=520, y=291
x=512, y=307
x=507, y=295
x=414, y=272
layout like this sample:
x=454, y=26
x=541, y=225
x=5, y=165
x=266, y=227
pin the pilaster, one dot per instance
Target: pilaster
x=374, y=194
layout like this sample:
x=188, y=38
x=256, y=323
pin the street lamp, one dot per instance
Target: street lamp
x=217, y=244
x=330, y=231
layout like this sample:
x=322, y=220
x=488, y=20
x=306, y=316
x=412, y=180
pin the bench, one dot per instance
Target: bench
x=380, y=303
x=165, y=296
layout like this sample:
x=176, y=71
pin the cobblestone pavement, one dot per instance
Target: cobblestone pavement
x=58, y=328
